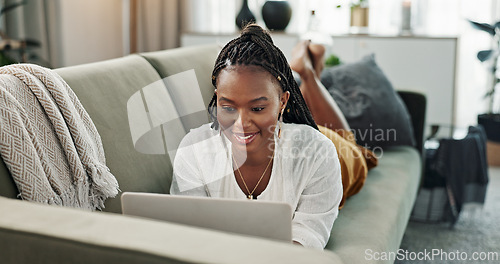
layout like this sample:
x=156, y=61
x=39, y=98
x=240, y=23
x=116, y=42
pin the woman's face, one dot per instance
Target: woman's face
x=249, y=100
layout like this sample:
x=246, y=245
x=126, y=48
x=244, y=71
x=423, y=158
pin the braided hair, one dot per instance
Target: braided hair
x=255, y=47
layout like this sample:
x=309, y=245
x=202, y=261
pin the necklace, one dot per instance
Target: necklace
x=250, y=194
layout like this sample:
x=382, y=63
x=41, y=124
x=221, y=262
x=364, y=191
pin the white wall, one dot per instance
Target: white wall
x=89, y=31
x=215, y=16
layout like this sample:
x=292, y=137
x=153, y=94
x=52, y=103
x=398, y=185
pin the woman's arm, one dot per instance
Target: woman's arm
x=318, y=204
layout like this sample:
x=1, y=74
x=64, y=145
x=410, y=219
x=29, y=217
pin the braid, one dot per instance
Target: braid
x=255, y=47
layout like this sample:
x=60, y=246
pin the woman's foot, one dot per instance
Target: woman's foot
x=301, y=60
x=317, y=53
x=306, y=57
x=307, y=61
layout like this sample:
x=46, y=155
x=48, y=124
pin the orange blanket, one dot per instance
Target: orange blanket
x=355, y=160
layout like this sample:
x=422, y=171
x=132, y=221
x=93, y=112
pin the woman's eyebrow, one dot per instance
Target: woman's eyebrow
x=226, y=99
x=262, y=98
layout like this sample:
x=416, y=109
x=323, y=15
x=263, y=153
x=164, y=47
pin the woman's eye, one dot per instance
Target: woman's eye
x=257, y=109
x=228, y=109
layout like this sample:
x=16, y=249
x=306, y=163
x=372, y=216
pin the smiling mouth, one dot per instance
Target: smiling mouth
x=245, y=138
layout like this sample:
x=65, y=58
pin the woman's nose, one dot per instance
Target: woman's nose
x=243, y=120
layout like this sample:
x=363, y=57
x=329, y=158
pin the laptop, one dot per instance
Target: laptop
x=272, y=220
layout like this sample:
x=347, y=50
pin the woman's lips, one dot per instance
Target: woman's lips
x=245, y=138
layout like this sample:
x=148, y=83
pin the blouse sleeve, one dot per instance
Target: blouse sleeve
x=318, y=204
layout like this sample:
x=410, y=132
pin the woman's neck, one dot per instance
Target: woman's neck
x=254, y=159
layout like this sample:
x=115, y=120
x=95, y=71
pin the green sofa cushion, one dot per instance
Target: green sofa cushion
x=376, y=217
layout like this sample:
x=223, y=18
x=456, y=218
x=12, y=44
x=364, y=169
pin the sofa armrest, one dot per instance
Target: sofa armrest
x=36, y=233
x=416, y=103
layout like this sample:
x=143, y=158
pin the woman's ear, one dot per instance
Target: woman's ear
x=284, y=99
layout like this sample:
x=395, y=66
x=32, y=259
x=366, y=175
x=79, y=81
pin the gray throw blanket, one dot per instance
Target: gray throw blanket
x=48, y=141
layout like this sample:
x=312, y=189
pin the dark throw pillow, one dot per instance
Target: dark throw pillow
x=375, y=112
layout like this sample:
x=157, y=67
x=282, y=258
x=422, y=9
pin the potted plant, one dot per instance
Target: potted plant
x=491, y=120
x=332, y=60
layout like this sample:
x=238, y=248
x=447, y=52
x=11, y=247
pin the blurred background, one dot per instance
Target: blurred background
x=59, y=33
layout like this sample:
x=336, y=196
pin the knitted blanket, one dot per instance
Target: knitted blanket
x=48, y=141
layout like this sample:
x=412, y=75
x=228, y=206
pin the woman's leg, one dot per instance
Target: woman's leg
x=307, y=61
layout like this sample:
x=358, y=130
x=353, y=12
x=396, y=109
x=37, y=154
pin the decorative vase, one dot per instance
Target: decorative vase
x=276, y=14
x=359, y=19
x=359, y=16
x=245, y=16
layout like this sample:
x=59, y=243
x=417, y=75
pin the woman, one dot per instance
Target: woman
x=263, y=142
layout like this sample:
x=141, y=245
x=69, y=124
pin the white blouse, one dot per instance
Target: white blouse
x=305, y=174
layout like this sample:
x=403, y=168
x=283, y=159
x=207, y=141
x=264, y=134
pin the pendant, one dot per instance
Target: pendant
x=250, y=197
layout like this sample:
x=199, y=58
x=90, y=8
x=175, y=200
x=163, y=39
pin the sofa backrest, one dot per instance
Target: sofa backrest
x=200, y=58
x=104, y=89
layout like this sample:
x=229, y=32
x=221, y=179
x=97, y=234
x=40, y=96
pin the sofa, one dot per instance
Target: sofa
x=372, y=222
